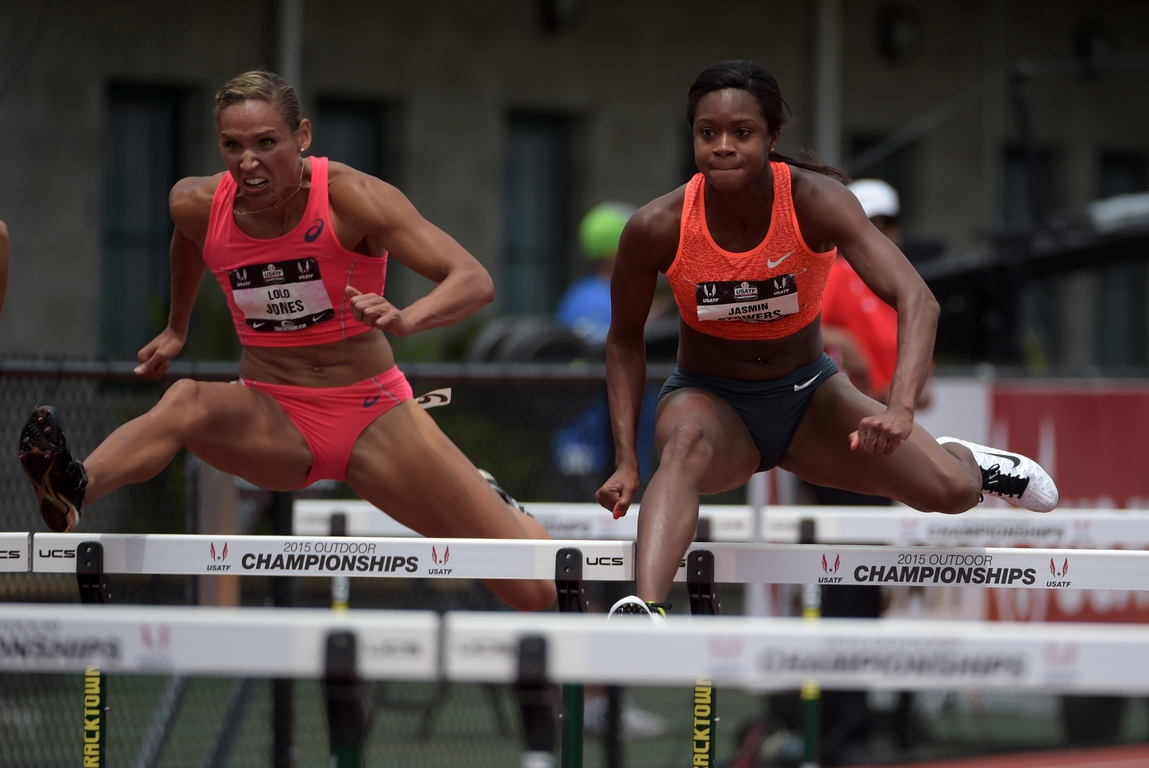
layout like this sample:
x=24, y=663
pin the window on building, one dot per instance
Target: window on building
x=140, y=167
x=1014, y=208
x=1119, y=173
x=535, y=212
x=358, y=133
x=892, y=169
x=1120, y=324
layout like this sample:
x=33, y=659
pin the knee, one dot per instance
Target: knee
x=183, y=401
x=686, y=443
x=958, y=492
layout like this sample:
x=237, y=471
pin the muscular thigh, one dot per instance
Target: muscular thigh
x=733, y=457
x=820, y=452
x=405, y=465
x=244, y=432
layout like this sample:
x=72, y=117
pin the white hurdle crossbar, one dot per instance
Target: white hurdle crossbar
x=754, y=653
x=895, y=526
x=602, y=560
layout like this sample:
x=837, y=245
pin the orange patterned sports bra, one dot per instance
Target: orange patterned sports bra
x=769, y=292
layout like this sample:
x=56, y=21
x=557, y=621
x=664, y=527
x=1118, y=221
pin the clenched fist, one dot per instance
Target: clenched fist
x=373, y=310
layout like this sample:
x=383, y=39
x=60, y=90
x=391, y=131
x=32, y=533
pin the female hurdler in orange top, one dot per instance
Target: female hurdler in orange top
x=747, y=245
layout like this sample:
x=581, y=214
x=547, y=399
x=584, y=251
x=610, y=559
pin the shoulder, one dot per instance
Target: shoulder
x=190, y=200
x=828, y=213
x=815, y=191
x=357, y=194
x=3, y=232
x=655, y=226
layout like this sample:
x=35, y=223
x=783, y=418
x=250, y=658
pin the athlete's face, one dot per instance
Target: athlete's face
x=731, y=139
x=261, y=152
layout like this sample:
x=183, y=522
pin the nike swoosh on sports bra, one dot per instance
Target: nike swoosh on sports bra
x=288, y=291
x=769, y=292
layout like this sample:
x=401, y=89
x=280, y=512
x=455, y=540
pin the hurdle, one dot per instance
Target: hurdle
x=407, y=557
x=895, y=526
x=734, y=563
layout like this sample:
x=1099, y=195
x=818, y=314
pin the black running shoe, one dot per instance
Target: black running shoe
x=58, y=479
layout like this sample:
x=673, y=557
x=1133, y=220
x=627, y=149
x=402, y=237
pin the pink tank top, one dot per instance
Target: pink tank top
x=288, y=291
x=769, y=292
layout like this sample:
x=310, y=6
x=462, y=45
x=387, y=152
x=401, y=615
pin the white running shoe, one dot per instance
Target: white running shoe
x=635, y=606
x=1018, y=480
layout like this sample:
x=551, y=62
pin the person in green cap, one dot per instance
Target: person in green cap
x=585, y=307
x=584, y=448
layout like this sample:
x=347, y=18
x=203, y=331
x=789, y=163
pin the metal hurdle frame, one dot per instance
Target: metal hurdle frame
x=93, y=556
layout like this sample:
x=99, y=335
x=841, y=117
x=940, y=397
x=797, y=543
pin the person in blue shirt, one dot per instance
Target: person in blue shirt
x=584, y=447
x=585, y=307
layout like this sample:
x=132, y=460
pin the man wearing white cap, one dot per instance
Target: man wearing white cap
x=860, y=330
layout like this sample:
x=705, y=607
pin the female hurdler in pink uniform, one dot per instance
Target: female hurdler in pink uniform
x=299, y=246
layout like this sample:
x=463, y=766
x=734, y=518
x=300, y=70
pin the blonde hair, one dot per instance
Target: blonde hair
x=259, y=85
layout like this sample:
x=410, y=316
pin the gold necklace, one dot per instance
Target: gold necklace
x=298, y=187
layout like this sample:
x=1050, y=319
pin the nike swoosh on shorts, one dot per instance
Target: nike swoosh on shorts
x=770, y=263
x=800, y=387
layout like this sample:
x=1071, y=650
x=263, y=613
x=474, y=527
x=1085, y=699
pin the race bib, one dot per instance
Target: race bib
x=750, y=301
x=281, y=296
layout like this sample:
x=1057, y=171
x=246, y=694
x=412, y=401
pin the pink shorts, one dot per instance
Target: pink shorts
x=332, y=418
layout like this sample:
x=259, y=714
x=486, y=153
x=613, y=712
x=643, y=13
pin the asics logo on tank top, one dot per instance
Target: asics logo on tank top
x=314, y=231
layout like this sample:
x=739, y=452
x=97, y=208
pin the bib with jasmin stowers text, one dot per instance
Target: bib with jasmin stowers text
x=750, y=301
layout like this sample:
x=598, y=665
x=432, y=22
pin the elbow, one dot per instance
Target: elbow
x=484, y=288
x=930, y=306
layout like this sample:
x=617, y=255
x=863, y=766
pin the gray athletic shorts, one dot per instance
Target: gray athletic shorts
x=771, y=410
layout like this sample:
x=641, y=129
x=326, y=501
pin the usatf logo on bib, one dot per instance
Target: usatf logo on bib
x=281, y=296
x=750, y=301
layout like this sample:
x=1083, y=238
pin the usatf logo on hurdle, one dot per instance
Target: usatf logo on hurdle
x=156, y=642
x=440, y=561
x=217, y=564
x=830, y=569
x=1058, y=581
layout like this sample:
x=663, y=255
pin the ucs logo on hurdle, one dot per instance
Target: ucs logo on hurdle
x=217, y=559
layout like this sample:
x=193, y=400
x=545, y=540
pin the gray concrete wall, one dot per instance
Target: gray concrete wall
x=456, y=68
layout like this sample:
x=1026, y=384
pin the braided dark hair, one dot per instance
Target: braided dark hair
x=748, y=76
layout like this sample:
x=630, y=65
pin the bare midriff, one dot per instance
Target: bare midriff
x=338, y=364
x=758, y=360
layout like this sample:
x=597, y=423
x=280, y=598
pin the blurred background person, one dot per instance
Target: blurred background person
x=859, y=329
x=860, y=332
x=584, y=448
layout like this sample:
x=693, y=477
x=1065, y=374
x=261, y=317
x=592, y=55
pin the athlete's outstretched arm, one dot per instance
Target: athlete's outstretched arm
x=3, y=264
x=642, y=249
x=372, y=211
x=187, y=208
x=830, y=213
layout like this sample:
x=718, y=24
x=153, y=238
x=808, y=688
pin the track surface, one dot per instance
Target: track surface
x=1113, y=757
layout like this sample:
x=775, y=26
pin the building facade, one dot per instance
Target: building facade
x=504, y=121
